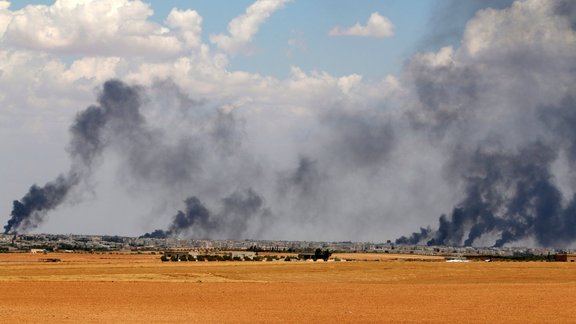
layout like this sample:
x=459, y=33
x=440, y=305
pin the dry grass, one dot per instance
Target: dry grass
x=139, y=288
x=386, y=257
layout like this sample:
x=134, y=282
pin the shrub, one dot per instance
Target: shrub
x=326, y=255
x=164, y=258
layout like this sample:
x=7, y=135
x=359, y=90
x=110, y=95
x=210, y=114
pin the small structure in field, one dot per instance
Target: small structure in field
x=179, y=253
x=38, y=251
x=566, y=257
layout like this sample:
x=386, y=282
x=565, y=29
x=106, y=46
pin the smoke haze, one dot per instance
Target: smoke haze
x=473, y=144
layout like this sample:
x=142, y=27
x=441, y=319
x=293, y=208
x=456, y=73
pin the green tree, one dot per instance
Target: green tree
x=317, y=254
x=326, y=255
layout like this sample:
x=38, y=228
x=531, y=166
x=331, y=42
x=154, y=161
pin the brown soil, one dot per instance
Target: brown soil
x=92, y=288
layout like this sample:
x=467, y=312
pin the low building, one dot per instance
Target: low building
x=38, y=251
x=566, y=257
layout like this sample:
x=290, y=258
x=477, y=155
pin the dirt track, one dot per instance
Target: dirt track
x=137, y=288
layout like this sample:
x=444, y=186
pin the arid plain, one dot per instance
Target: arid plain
x=120, y=288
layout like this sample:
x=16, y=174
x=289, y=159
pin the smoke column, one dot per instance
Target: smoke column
x=506, y=146
x=508, y=196
x=117, y=109
x=148, y=158
x=236, y=212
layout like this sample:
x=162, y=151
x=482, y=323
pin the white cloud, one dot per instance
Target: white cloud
x=99, y=27
x=349, y=82
x=444, y=57
x=243, y=28
x=519, y=28
x=5, y=16
x=377, y=26
x=189, y=23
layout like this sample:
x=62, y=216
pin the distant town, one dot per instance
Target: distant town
x=46, y=243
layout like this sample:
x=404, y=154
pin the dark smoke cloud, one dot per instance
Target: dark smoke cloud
x=566, y=8
x=148, y=157
x=158, y=233
x=417, y=237
x=507, y=129
x=173, y=158
x=358, y=141
x=237, y=212
x=510, y=196
x=240, y=209
x=560, y=120
x=195, y=214
x=118, y=109
x=446, y=93
x=28, y=212
x=303, y=181
x=195, y=217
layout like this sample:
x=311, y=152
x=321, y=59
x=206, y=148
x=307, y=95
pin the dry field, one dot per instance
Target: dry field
x=115, y=288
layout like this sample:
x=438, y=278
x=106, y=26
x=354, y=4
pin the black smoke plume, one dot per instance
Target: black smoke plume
x=117, y=123
x=32, y=208
x=118, y=109
x=195, y=216
x=514, y=138
x=509, y=197
x=236, y=212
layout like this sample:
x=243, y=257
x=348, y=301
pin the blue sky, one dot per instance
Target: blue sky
x=306, y=24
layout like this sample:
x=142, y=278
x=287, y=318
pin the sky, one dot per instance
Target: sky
x=304, y=120
x=297, y=34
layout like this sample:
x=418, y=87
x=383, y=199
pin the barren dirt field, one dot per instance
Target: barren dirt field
x=113, y=288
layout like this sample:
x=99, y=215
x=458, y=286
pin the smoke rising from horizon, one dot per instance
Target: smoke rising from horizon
x=474, y=144
x=116, y=102
x=237, y=211
x=509, y=196
x=506, y=113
